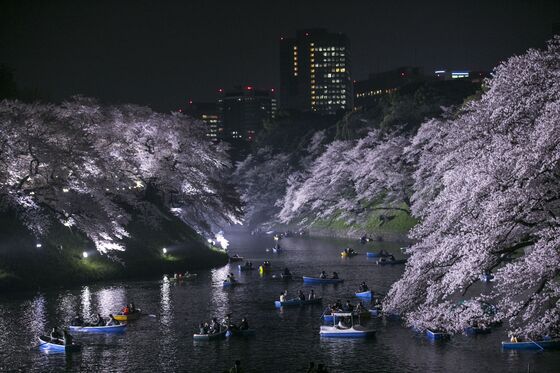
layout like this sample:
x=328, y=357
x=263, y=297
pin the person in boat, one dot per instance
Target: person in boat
x=215, y=326
x=283, y=296
x=55, y=335
x=230, y=278
x=99, y=321
x=514, y=339
x=78, y=320
x=338, y=304
x=341, y=324
x=335, y=276
x=236, y=368
x=244, y=325
x=323, y=275
x=363, y=239
x=175, y=276
x=311, y=294
x=202, y=329
x=125, y=310
x=360, y=307
x=66, y=338
x=391, y=258
x=363, y=287
x=286, y=272
x=301, y=296
x=112, y=321
x=132, y=308
x=348, y=307
x=383, y=252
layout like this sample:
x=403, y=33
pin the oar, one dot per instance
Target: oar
x=538, y=345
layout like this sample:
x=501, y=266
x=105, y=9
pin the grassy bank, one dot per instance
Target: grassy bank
x=59, y=261
x=390, y=224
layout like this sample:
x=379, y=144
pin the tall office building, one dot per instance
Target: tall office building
x=315, y=72
x=244, y=110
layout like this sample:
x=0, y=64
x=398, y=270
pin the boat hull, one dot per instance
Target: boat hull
x=297, y=302
x=98, y=329
x=209, y=337
x=536, y=345
x=365, y=294
x=46, y=345
x=435, y=336
x=316, y=280
x=334, y=332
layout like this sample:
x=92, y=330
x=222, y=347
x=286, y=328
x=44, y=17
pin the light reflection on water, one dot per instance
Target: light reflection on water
x=288, y=338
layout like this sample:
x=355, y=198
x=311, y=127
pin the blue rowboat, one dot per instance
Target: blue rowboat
x=546, y=344
x=229, y=284
x=98, y=329
x=297, y=302
x=369, y=254
x=317, y=280
x=210, y=336
x=384, y=261
x=244, y=268
x=436, y=335
x=365, y=294
x=474, y=331
x=240, y=333
x=48, y=345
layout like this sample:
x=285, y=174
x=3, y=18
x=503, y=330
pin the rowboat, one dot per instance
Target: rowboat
x=354, y=331
x=47, y=344
x=365, y=294
x=98, y=329
x=244, y=268
x=228, y=284
x=240, y=333
x=127, y=317
x=210, y=336
x=436, y=335
x=297, y=302
x=318, y=280
x=545, y=344
x=471, y=330
x=384, y=261
x=370, y=254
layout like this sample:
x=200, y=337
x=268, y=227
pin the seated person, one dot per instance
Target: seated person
x=202, y=328
x=99, y=321
x=335, y=275
x=78, y=320
x=323, y=275
x=301, y=296
x=311, y=294
x=244, y=325
x=56, y=336
x=283, y=296
x=286, y=272
x=66, y=338
x=363, y=287
x=125, y=310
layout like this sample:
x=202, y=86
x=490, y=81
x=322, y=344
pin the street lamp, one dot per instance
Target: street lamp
x=85, y=254
x=38, y=245
x=164, y=250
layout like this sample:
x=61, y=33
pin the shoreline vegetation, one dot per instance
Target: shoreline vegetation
x=59, y=261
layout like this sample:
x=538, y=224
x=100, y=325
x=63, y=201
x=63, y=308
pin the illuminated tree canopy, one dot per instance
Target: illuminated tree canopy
x=88, y=165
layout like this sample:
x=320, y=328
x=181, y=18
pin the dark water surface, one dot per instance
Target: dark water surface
x=286, y=340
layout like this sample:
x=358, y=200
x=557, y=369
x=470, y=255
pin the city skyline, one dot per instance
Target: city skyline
x=160, y=57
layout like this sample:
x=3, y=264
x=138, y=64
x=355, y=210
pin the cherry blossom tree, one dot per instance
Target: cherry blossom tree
x=88, y=166
x=487, y=191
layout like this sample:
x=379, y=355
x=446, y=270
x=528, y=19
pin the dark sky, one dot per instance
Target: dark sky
x=160, y=53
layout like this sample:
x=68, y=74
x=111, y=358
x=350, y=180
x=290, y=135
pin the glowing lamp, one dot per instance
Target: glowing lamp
x=164, y=250
x=85, y=254
x=38, y=245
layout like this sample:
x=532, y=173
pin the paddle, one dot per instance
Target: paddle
x=538, y=345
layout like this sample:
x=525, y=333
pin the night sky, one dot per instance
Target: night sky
x=161, y=53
